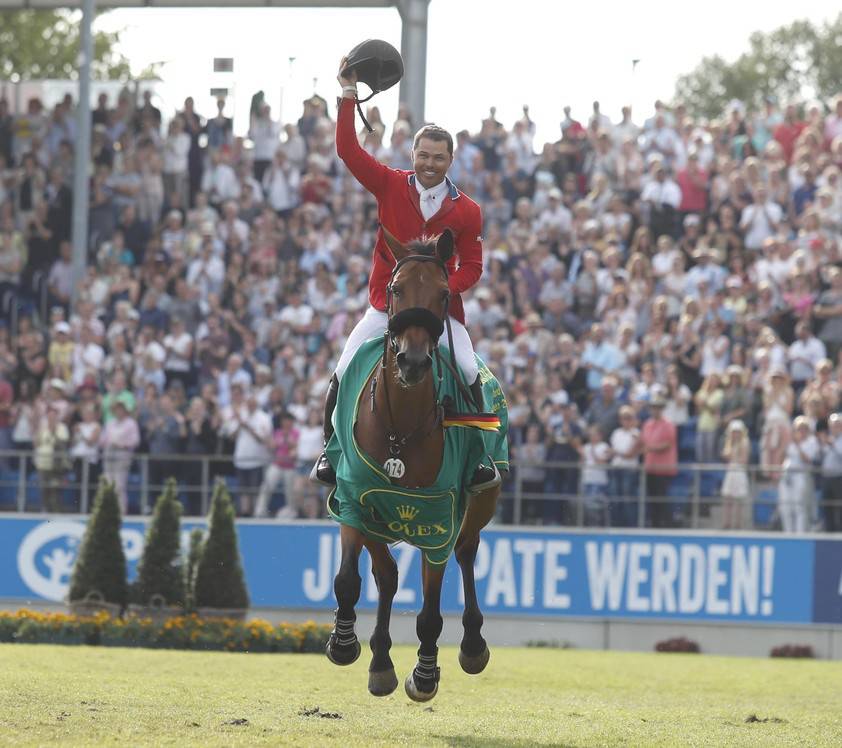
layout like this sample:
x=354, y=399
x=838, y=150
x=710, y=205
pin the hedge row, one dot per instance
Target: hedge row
x=182, y=632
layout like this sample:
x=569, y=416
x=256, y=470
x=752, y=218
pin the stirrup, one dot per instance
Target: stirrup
x=323, y=472
x=484, y=477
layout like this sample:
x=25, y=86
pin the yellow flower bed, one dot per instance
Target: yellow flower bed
x=181, y=632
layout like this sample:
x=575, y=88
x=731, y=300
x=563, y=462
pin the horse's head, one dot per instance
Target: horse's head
x=418, y=301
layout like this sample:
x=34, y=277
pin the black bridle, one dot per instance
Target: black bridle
x=397, y=323
x=415, y=316
x=435, y=326
x=423, y=317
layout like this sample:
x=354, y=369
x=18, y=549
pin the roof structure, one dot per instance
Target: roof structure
x=77, y=4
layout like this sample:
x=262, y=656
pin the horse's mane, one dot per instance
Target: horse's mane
x=426, y=246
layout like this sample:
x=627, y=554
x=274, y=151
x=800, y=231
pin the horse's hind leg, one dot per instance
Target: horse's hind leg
x=381, y=672
x=423, y=682
x=473, y=651
x=343, y=647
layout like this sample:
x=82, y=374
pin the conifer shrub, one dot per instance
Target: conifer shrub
x=100, y=568
x=160, y=579
x=220, y=582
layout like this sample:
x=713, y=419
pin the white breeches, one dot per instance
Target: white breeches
x=795, y=500
x=373, y=325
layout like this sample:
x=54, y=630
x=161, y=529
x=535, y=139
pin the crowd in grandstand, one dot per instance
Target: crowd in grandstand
x=643, y=282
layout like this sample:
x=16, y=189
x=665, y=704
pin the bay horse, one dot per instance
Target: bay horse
x=404, y=421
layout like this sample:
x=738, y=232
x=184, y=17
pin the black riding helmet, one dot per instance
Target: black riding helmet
x=377, y=64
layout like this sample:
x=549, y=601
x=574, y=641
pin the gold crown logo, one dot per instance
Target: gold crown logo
x=407, y=512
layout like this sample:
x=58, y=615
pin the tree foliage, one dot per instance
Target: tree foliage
x=220, y=582
x=794, y=62
x=159, y=571
x=101, y=564
x=45, y=44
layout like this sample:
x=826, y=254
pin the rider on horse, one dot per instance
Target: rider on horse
x=412, y=204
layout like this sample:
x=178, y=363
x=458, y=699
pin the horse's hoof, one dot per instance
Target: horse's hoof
x=414, y=693
x=340, y=657
x=474, y=665
x=382, y=683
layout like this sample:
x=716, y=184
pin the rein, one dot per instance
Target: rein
x=396, y=442
x=435, y=326
x=398, y=322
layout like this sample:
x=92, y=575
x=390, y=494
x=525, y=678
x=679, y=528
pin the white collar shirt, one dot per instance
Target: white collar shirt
x=431, y=199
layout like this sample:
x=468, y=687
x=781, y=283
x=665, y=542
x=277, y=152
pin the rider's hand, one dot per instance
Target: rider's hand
x=349, y=80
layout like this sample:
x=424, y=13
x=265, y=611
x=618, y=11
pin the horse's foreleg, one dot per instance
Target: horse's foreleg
x=343, y=648
x=381, y=672
x=473, y=651
x=423, y=682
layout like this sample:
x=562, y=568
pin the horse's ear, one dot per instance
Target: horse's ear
x=444, y=245
x=397, y=249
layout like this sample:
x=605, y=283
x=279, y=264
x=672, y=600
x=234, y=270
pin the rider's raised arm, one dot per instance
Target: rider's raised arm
x=370, y=173
x=469, y=252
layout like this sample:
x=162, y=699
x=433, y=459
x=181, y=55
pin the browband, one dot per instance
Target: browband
x=418, y=258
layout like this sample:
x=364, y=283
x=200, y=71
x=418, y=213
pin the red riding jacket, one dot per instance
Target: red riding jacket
x=399, y=210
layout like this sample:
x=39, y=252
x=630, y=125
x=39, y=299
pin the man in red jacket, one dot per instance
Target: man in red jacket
x=411, y=204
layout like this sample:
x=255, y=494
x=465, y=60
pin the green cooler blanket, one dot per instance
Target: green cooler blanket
x=428, y=518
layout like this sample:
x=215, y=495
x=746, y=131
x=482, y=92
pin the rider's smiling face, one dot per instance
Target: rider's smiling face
x=431, y=160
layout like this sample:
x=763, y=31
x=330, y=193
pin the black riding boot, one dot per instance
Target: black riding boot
x=486, y=475
x=323, y=471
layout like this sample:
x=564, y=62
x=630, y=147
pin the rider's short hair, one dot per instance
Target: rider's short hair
x=434, y=132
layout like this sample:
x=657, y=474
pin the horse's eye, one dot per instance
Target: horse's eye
x=396, y=292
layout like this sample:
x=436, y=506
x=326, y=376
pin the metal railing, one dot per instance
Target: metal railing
x=21, y=487
x=690, y=497
x=546, y=493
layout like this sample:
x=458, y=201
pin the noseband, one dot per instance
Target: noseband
x=417, y=316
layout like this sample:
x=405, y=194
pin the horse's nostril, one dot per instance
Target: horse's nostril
x=413, y=365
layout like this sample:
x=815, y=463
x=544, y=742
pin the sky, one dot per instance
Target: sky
x=543, y=53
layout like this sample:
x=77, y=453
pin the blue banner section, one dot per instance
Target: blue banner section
x=693, y=577
x=827, y=601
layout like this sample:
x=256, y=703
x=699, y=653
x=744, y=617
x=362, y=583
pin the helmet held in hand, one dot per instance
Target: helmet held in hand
x=377, y=64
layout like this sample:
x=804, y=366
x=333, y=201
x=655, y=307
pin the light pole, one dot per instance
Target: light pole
x=82, y=155
x=284, y=85
x=414, y=52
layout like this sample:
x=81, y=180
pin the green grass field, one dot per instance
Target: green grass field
x=527, y=697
